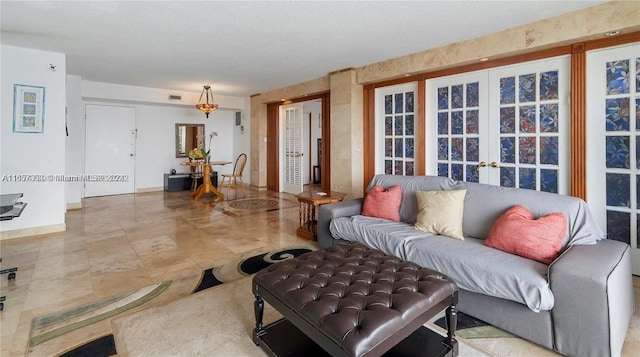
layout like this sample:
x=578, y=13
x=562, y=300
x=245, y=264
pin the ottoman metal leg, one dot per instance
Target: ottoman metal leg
x=258, y=307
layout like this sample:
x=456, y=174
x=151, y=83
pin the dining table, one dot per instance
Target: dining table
x=206, y=186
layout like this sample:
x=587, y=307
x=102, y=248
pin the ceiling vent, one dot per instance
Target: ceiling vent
x=175, y=97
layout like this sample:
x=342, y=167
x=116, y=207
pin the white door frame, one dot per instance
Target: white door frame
x=597, y=170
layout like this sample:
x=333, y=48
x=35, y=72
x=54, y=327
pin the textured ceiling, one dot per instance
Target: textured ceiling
x=242, y=48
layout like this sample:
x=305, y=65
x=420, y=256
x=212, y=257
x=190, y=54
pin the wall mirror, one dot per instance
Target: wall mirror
x=188, y=137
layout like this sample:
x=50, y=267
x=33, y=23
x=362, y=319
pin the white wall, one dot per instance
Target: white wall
x=155, y=143
x=75, y=149
x=123, y=93
x=42, y=154
x=242, y=138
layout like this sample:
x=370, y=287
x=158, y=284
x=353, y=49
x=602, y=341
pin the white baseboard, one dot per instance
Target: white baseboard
x=74, y=205
x=32, y=231
x=149, y=189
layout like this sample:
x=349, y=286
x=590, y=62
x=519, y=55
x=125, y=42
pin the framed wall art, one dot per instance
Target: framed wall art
x=28, y=109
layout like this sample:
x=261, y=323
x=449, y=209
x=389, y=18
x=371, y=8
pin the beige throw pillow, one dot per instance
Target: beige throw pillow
x=440, y=212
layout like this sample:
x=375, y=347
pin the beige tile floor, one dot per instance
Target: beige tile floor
x=121, y=243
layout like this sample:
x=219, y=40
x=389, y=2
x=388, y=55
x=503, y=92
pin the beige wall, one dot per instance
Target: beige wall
x=346, y=87
x=259, y=123
x=346, y=134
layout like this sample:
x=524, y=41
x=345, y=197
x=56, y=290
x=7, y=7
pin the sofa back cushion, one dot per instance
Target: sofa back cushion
x=410, y=185
x=485, y=203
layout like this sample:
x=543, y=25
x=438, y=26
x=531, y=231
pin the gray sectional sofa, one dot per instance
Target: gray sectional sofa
x=580, y=305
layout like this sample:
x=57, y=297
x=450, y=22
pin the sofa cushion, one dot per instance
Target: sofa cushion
x=485, y=203
x=411, y=184
x=440, y=212
x=472, y=265
x=383, y=203
x=518, y=232
x=377, y=233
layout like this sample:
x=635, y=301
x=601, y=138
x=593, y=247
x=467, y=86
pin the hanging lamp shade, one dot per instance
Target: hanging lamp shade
x=208, y=106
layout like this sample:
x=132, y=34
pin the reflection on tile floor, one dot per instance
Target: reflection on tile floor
x=121, y=243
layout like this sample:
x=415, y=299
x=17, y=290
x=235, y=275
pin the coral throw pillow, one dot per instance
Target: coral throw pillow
x=441, y=212
x=518, y=232
x=383, y=203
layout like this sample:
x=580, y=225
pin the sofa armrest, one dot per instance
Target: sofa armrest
x=593, y=291
x=334, y=210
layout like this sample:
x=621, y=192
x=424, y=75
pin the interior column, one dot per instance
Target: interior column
x=347, y=164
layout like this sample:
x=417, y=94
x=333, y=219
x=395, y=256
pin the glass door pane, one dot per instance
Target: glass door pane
x=395, y=129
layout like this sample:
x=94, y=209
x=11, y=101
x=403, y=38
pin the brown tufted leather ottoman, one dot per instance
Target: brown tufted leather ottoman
x=353, y=300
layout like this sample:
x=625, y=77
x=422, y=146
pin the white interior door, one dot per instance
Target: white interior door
x=291, y=151
x=110, y=150
x=613, y=143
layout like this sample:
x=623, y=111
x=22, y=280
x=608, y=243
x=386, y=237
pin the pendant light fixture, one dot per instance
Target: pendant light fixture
x=208, y=106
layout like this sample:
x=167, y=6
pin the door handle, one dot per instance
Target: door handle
x=494, y=164
x=482, y=164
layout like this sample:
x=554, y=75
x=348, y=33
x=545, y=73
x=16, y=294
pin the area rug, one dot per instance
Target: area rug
x=250, y=206
x=470, y=327
x=49, y=326
x=214, y=322
x=243, y=267
x=490, y=339
x=102, y=347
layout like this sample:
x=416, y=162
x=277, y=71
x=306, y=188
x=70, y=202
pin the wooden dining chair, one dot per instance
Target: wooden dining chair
x=196, y=174
x=230, y=181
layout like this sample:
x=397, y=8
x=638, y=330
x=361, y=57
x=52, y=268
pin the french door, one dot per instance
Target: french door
x=458, y=126
x=291, y=152
x=395, y=129
x=507, y=126
x=613, y=143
